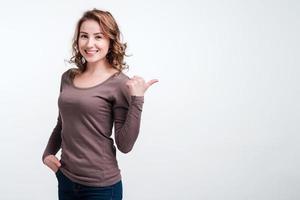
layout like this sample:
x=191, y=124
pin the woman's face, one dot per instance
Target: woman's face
x=92, y=43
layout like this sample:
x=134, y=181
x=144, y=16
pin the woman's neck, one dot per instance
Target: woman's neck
x=98, y=68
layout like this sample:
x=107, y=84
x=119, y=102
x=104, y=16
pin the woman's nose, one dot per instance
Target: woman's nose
x=90, y=42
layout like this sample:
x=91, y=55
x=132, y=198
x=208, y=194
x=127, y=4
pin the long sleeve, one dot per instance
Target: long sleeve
x=127, y=112
x=54, y=142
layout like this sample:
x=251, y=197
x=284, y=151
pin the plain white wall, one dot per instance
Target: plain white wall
x=222, y=123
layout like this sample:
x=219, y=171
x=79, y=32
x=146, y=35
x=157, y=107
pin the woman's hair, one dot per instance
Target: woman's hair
x=116, y=52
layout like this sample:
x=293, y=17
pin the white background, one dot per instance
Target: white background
x=222, y=123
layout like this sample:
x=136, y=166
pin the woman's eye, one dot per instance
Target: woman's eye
x=83, y=36
x=98, y=37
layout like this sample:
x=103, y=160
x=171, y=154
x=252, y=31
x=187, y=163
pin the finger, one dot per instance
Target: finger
x=134, y=81
x=138, y=78
x=52, y=166
x=57, y=163
x=133, y=78
x=129, y=83
x=149, y=83
x=52, y=162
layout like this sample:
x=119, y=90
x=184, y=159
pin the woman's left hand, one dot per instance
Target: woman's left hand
x=137, y=85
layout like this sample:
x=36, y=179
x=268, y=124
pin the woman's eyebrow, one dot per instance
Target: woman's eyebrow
x=94, y=33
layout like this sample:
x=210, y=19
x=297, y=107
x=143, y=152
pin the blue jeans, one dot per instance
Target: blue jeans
x=69, y=190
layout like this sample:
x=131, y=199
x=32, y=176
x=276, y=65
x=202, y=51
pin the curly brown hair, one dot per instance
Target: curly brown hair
x=116, y=52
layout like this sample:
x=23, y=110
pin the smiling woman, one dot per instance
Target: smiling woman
x=98, y=33
x=87, y=41
x=93, y=45
x=94, y=97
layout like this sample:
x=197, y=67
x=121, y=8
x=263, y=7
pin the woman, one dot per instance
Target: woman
x=94, y=96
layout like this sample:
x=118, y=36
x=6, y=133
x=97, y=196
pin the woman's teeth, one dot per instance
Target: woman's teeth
x=91, y=52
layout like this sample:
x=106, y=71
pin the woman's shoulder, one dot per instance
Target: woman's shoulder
x=120, y=80
x=119, y=83
x=69, y=73
x=121, y=76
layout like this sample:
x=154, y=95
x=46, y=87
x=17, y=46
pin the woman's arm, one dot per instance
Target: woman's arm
x=127, y=112
x=54, y=142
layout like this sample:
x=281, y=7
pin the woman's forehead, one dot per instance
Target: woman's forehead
x=90, y=26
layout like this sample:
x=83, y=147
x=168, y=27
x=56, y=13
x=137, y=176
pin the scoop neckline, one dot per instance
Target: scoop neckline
x=94, y=86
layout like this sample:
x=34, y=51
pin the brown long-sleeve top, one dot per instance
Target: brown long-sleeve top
x=84, y=129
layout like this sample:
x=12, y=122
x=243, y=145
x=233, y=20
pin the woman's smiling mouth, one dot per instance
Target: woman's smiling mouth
x=91, y=52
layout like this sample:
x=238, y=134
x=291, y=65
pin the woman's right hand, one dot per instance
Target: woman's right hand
x=52, y=162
